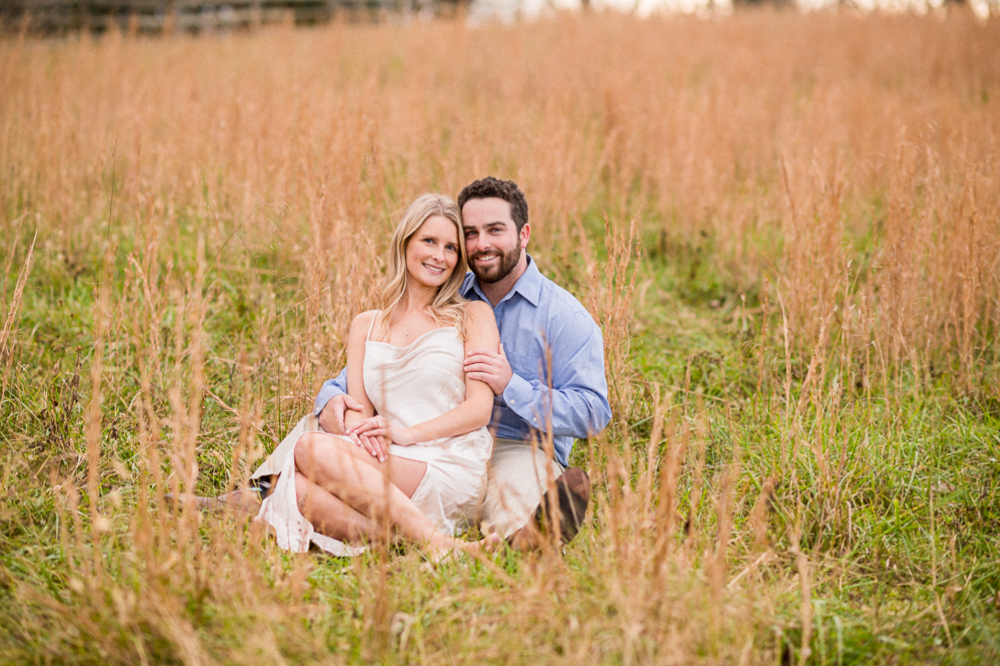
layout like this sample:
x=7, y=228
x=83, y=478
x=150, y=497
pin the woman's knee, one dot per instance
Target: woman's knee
x=315, y=451
x=306, y=451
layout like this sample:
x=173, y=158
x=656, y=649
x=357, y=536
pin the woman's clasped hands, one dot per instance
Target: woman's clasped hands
x=372, y=433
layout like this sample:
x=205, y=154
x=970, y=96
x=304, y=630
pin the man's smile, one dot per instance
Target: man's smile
x=487, y=257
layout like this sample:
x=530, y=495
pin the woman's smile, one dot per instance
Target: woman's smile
x=434, y=270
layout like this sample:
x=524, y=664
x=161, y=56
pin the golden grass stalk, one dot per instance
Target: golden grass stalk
x=6, y=341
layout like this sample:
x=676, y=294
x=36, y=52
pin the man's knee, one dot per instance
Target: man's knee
x=518, y=477
x=510, y=501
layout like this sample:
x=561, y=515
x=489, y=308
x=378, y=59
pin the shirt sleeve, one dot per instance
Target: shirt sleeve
x=331, y=388
x=576, y=403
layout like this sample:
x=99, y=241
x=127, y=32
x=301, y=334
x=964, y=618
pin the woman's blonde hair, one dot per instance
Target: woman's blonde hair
x=447, y=306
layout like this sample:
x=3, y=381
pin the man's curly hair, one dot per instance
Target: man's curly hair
x=490, y=187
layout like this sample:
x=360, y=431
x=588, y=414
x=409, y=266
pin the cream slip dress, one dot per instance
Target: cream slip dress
x=407, y=385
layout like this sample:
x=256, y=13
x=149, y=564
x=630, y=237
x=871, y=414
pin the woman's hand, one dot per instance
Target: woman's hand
x=376, y=445
x=379, y=426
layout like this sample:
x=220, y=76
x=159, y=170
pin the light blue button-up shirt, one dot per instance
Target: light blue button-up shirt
x=542, y=327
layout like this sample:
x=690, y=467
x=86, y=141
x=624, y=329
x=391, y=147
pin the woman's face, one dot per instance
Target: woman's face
x=432, y=252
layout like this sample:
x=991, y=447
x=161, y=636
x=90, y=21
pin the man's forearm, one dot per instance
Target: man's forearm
x=577, y=411
x=571, y=400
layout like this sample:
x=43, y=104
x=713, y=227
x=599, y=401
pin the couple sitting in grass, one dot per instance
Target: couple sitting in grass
x=401, y=435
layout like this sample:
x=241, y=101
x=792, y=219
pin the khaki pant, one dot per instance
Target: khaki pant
x=518, y=476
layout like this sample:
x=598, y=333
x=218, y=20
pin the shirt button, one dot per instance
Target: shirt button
x=512, y=402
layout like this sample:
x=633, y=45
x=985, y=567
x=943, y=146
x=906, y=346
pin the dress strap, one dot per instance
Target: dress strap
x=372, y=325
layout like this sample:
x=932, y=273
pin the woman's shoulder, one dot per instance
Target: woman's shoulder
x=478, y=309
x=481, y=319
x=365, y=317
x=363, y=321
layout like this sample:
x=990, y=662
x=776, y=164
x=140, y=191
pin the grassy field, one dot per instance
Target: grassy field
x=787, y=225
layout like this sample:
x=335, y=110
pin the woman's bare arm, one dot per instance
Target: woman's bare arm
x=356, y=386
x=473, y=413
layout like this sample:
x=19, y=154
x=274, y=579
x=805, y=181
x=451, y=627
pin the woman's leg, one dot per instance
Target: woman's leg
x=329, y=515
x=360, y=482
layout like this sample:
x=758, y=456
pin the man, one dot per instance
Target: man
x=547, y=375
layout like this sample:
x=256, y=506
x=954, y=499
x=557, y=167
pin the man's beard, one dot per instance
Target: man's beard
x=506, y=264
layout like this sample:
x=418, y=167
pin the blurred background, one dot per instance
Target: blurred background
x=52, y=17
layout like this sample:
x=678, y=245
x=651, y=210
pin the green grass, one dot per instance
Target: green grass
x=893, y=497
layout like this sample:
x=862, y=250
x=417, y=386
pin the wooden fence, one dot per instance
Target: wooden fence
x=54, y=17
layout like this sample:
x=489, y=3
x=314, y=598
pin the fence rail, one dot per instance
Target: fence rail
x=49, y=17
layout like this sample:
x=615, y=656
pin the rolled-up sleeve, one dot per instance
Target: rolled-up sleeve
x=331, y=388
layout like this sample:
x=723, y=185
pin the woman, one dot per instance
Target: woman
x=404, y=366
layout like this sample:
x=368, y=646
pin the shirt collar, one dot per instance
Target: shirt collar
x=529, y=285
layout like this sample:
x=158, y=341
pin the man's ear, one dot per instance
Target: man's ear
x=524, y=235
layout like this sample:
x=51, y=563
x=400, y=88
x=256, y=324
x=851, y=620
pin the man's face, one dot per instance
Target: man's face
x=492, y=241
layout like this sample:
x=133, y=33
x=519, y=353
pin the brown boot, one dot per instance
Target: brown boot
x=573, y=495
x=573, y=491
x=238, y=501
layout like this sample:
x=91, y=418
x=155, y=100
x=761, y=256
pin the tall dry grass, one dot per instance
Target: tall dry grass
x=210, y=213
x=849, y=139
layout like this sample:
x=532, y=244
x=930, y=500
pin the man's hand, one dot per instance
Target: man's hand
x=490, y=368
x=331, y=419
